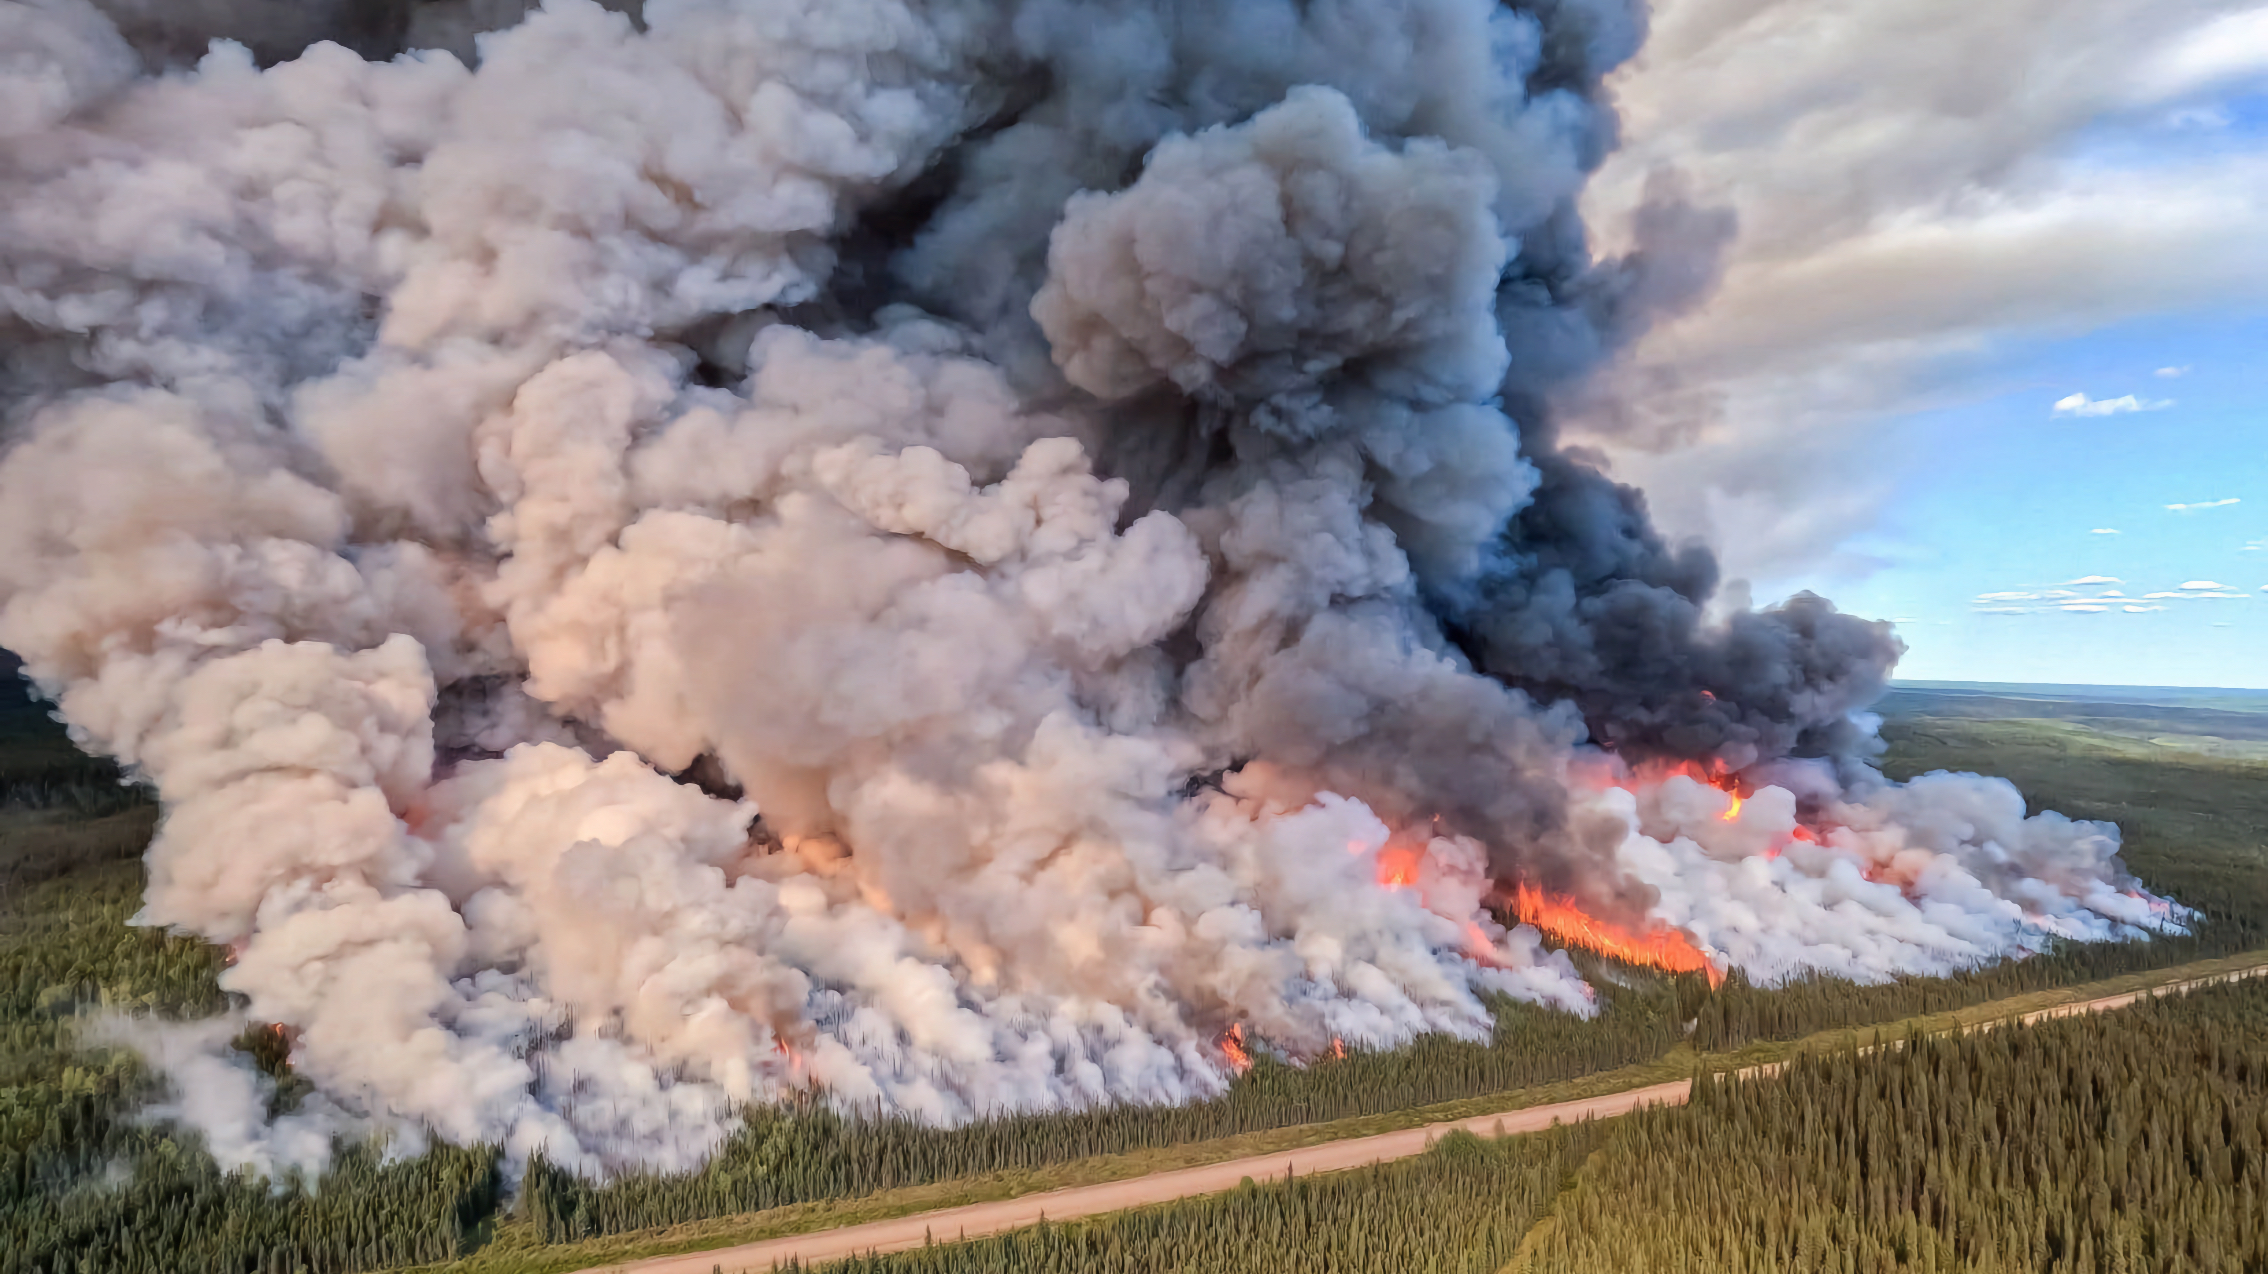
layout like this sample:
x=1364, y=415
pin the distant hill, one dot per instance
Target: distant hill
x=2218, y=721
x=2218, y=698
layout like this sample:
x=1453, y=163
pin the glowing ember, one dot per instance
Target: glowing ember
x=1232, y=1045
x=1398, y=866
x=1656, y=948
x=1712, y=774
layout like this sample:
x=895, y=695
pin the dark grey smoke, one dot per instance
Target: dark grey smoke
x=1082, y=470
x=1581, y=602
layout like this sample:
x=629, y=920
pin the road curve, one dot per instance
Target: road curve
x=980, y=1219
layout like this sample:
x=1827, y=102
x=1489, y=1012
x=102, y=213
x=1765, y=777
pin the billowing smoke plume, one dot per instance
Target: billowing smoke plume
x=949, y=551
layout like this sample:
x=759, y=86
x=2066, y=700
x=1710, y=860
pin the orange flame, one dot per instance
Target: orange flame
x=1732, y=811
x=1398, y=865
x=1713, y=774
x=1658, y=948
x=1232, y=1045
x=1338, y=1048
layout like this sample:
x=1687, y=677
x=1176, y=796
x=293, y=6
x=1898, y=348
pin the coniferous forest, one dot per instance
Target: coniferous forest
x=1461, y=1208
x=89, y=1184
x=2136, y=1142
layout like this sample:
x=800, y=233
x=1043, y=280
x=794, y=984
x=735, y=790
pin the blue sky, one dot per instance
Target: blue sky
x=2005, y=503
x=1954, y=218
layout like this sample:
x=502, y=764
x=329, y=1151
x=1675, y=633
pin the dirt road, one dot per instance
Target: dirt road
x=980, y=1219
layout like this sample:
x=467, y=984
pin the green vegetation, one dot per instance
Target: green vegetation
x=2224, y=723
x=2195, y=827
x=1461, y=1207
x=790, y=1155
x=85, y=1187
x=2132, y=1142
x=2136, y=1141
x=1740, y=1014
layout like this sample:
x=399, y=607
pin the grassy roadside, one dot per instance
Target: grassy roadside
x=516, y=1250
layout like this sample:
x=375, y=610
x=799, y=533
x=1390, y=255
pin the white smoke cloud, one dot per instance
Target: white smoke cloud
x=416, y=471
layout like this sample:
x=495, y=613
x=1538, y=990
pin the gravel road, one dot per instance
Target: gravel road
x=980, y=1219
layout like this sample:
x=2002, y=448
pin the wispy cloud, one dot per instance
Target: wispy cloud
x=2173, y=373
x=2257, y=546
x=2088, y=595
x=2106, y=530
x=2081, y=405
x=2206, y=504
x=2196, y=590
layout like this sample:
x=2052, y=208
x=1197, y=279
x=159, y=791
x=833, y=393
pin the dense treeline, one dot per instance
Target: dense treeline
x=2132, y=1142
x=1460, y=1208
x=1740, y=1012
x=86, y=1188
x=789, y=1155
x=2193, y=826
x=793, y=1154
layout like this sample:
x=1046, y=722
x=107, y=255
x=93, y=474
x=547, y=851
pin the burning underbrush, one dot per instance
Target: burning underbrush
x=1084, y=519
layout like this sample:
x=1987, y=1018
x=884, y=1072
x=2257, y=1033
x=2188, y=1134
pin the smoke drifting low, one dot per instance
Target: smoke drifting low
x=945, y=552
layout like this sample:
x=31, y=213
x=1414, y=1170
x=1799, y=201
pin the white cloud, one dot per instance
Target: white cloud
x=2106, y=530
x=2234, y=47
x=1916, y=186
x=2142, y=610
x=2092, y=579
x=2173, y=373
x=2063, y=600
x=2081, y=405
x=2196, y=590
x=2207, y=504
x=2257, y=546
